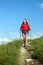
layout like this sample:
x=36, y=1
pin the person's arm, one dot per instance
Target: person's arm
x=21, y=28
x=29, y=27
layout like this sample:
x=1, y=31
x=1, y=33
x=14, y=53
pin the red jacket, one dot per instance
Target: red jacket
x=25, y=27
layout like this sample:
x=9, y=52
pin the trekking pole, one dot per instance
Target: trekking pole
x=30, y=34
x=20, y=35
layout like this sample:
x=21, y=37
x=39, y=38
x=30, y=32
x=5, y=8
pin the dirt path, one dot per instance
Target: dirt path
x=24, y=54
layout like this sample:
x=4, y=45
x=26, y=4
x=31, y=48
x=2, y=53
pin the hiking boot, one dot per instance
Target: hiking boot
x=25, y=46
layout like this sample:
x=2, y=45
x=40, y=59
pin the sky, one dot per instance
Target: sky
x=12, y=13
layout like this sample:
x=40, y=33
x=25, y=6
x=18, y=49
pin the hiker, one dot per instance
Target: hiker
x=25, y=27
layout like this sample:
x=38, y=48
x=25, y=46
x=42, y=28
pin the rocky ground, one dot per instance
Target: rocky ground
x=25, y=57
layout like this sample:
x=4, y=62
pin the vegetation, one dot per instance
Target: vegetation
x=37, y=46
x=9, y=53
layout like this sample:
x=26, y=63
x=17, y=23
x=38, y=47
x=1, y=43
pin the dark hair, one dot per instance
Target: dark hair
x=26, y=21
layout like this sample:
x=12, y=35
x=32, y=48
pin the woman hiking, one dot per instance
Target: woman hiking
x=25, y=27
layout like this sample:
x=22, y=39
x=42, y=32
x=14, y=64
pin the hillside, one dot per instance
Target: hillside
x=9, y=53
x=37, y=46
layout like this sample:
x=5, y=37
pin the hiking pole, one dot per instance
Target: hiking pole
x=30, y=34
x=20, y=35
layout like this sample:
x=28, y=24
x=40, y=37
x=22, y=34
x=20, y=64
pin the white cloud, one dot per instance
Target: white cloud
x=4, y=40
x=0, y=33
x=14, y=35
x=36, y=35
x=39, y=34
x=41, y=5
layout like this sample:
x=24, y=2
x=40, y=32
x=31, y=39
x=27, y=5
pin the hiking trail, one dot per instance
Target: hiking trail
x=25, y=57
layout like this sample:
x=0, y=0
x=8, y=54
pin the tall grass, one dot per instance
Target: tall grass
x=37, y=46
x=9, y=53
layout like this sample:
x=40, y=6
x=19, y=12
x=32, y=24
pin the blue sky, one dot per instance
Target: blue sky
x=12, y=13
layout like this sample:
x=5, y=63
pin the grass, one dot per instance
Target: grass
x=37, y=46
x=9, y=53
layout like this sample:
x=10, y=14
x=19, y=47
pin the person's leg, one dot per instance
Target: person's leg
x=26, y=39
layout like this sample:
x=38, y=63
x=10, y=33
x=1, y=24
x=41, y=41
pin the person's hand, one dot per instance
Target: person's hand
x=20, y=30
x=30, y=29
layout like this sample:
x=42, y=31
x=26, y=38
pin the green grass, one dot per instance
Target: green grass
x=37, y=46
x=9, y=53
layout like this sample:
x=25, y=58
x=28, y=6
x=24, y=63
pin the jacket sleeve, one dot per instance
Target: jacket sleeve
x=28, y=27
x=21, y=28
